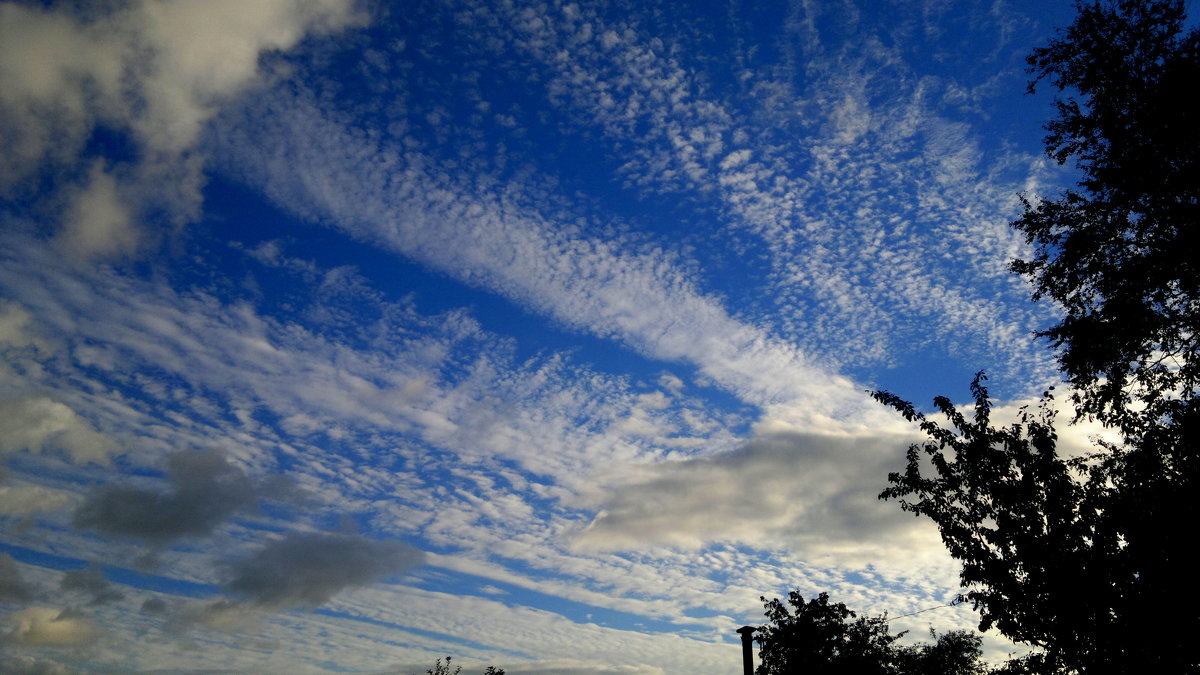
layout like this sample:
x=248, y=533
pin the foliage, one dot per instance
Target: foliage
x=1120, y=253
x=440, y=668
x=817, y=637
x=1083, y=556
x=1012, y=512
x=957, y=652
x=1078, y=556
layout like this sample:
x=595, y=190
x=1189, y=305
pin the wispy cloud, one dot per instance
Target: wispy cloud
x=329, y=173
x=867, y=191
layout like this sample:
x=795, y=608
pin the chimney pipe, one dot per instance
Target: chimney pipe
x=747, y=633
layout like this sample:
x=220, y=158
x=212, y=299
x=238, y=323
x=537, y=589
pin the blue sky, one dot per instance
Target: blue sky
x=341, y=337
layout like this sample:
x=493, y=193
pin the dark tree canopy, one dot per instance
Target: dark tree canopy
x=1086, y=557
x=1119, y=252
x=823, y=638
x=1090, y=558
x=957, y=652
x=815, y=637
x=440, y=668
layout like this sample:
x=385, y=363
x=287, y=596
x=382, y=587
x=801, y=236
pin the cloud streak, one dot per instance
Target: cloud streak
x=329, y=173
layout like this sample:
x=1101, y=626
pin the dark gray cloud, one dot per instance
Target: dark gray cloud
x=90, y=580
x=154, y=606
x=12, y=587
x=307, y=569
x=205, y=490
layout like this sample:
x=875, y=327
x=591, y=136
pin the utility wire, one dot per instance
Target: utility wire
x=927, y=609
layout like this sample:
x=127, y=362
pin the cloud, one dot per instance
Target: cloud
x=38, y=424
x=51, y=627
x=824, y=158
x=12, y=587
x=326, y=172
x=307, y=569
x=205, y=490
x=225, y=616
x=576, y=667
x=150, y=72
x=154, y=606
x=14, y=323
x=544, y=667
x=809, y=492
x=22, y=500
x=23, y=664
x=90, y=580
x=98, y=221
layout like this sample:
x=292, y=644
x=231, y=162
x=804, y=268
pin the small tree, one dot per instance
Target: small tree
x=440, y=668
x=957, y=652
x=816, y=638
x=819, y=637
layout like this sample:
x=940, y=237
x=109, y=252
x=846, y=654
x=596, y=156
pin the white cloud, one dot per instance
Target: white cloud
x=23, y=500
x=155, y=70
x=38, y=424
x=14, y=325
x=814, y=494
x=98, y=222
x=576, y=667
x=430, y=427
x=327, y=173
x=50, y=627
x=829, y=161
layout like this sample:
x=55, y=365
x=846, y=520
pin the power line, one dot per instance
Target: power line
x=927, y=609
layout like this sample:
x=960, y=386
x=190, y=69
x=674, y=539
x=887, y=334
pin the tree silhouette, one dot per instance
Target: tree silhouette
x=819, y=637
x=440, y=668
x=1119, y=253
x=1085, y=557
x=815, y=637
x=1079, y=556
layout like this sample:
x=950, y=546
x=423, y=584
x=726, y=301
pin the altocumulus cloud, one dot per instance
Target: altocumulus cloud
x=307, y=569
x=574, y=667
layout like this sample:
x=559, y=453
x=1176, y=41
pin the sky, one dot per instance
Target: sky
x=343, y=336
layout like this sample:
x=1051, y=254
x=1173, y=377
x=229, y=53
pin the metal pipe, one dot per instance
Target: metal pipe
x=747, y=633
